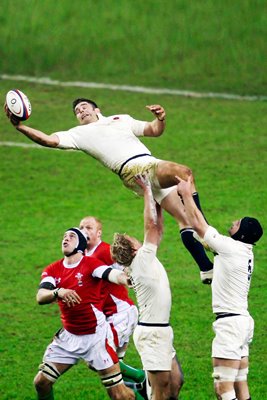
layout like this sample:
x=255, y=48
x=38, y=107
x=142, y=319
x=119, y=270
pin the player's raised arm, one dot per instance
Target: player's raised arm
x=152, y=214
x=156, y=127
x=195, y=217
x=35, y=135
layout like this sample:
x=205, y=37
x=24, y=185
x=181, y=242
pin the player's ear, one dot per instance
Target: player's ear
x=97, y=110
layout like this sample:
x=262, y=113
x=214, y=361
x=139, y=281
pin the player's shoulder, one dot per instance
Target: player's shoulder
x=104, y=245
x=92, y=261
x=56, y=263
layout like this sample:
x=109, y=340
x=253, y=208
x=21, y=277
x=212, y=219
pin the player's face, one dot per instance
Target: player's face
x=69, y=242
x=234, y=227
x=85, y=113
x=93, y=231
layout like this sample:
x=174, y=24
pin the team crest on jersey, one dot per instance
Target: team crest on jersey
x=79, y=278
x=57, y=280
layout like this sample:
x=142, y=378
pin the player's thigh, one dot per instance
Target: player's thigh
x=173, y=205
x=224, y=374
x=160, y=382
x=167, y=170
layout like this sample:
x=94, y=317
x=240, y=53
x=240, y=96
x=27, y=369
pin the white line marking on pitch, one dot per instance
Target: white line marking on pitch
x=27, y=145
x=128, y=88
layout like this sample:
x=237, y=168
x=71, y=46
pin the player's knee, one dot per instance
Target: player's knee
x=46, y=377
x=224, y=378
x=42, y=384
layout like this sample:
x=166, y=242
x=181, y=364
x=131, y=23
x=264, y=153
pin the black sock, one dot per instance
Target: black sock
x=197, y=203
x=196, y=249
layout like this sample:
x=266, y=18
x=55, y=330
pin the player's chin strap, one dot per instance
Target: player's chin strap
x=112, y=380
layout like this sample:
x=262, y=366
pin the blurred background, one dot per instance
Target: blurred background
x=205, y=45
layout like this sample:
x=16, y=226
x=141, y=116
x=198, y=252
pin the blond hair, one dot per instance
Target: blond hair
x=121, y=250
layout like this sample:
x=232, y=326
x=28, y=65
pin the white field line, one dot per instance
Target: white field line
x=139, y=89
x=27, y=145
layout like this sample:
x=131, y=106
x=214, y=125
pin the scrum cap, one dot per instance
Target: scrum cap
x=250, y=231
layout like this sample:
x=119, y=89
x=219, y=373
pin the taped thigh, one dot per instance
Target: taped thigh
x=242, y=375
x=50, y=371
x=224, y=374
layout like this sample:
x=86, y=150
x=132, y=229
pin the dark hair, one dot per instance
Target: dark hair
x=250, y=231
x=82, y=100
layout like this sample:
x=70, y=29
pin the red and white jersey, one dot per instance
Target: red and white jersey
x=117, y=299
x=83, y=277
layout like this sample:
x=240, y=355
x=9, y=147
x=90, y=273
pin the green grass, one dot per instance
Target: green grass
x=45, y=191
x=206, y=45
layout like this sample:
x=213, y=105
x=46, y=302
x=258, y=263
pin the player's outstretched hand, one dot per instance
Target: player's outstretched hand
x=184, y=187
x=158, y=111
x=13, y=119
x=142, y=181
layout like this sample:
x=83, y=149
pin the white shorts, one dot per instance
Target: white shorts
x=155, y=347
x=97, y=349
x=123, y=324
x=232, y=337
x=144, y=165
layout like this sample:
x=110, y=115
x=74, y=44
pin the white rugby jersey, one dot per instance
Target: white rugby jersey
x=111, y=140
x=233, y=266
x=151, y=285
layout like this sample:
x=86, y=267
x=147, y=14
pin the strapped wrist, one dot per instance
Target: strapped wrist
x=161, y=120
x=55, y=293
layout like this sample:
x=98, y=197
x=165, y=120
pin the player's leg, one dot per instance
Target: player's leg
x=241, y=383
x=173, y=205
x=46, y=377
x=224, y=373
x=177, y=379
x=160, y=384
x=122, y=326
x=167, y=170
x=112, y=380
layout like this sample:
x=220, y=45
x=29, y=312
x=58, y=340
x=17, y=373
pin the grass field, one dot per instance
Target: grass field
x=210, y=46
x=46, y=191
x=206, y=45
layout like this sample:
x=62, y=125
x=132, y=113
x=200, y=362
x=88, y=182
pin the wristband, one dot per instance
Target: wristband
x=161, y=120
x=55, y=293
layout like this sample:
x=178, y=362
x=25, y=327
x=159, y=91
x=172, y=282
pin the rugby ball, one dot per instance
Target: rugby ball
x=18, y=104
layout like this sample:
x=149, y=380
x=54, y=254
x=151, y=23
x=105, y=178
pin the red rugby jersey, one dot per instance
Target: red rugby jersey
x=118, y=299
x=83, y=318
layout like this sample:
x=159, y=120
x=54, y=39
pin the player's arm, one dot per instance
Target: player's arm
x=195, y=217
x=157, y=126
x=48, y=293
x=35, y=135
x=111, y=274
x=153, y=225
